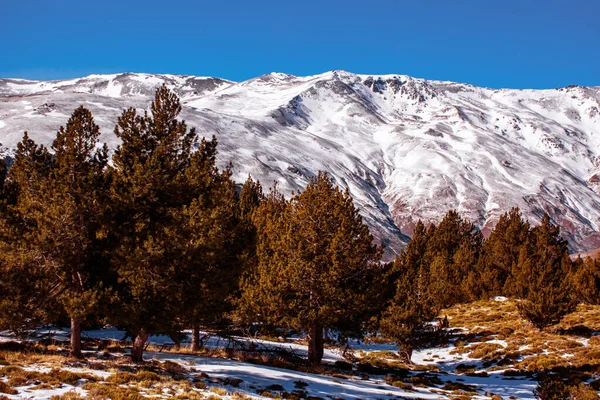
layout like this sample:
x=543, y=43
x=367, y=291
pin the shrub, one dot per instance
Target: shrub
x=114, y=392
x=235, y=382
x=68, y=396
x=402, y=385
x=551, y=388
x=275, y=388
x=218, y=390
x=127, y=377
x=583, y=392
x=484, y=350
x=5, y=388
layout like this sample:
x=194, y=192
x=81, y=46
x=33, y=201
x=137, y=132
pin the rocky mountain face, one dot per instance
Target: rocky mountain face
x=406, y=148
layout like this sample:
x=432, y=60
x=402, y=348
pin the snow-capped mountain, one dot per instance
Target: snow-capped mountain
x=406, y=148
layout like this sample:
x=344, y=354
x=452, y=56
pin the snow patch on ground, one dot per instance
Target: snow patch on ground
x=351, y=387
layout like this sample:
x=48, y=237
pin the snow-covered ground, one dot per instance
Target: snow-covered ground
x=350, y=385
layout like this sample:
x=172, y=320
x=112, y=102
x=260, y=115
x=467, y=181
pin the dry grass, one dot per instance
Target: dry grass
x=484, y=351
x=485, y=317
x=111, y=391
x=218, y=390
x=127, y=381
x=526, y=348
x=68, y=396
x=128, y=377
x=17, y=376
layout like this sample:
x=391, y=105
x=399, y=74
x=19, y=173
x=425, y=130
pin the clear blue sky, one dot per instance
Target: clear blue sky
x=519, y=44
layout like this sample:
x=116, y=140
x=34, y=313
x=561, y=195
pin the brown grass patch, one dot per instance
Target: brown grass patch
x=484, y=350
x=527, y=348
x=6, y=388
x=110, y=391
x=17, y=376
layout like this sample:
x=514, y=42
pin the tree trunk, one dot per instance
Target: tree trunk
x=76, y=338
x=196, y=338
x=137, y=351
x=405, y=351
x=176, y=341
x=315, y=344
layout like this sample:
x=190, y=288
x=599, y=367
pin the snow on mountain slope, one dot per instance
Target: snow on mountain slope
x=406, y=148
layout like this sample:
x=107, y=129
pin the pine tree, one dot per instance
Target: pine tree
x=148, y=188
x=316, y=265
x=452, y=253
x=16, y=290
x=176, y=216
x=266, y=219
x=543, y=276
x=406, y=319
x=25, y=296
x=500, y=254
x=586, y=280
x=250, y=198
x=31, y=167
x=210, y=242
x=64, y=208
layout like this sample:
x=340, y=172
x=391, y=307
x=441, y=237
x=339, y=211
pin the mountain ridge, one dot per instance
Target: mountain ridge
x=406, y=148
x=284, y=74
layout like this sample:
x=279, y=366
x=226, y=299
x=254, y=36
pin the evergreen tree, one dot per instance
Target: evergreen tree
x=266, y=219
x=316, y=265
x=148, y=190
x=452, y=253
x=64, y=209
x=176, y=217
x=15, y=285
x=210, y=240
x=543, y=276
x=406, y=319
x=250, y=198
x=500, y=255
x=586, y=280
x=24, y=293
x=31, y=167
x=74, y=223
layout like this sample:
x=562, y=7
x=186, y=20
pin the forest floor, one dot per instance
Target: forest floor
x=488, y=352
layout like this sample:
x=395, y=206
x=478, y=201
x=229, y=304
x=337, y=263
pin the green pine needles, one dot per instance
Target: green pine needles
x=316, y=265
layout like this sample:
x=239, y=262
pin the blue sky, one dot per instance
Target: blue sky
x=519, y=44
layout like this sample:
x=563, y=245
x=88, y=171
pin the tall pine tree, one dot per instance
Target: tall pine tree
x=176, y=220
x=26, y=298
x=452, y=252
x=500, y=254
x=149, y=189
x=316, y=265
x=586, y=280
x=543, y=276
x=72, y=228
x=209, y=238
x=61, y=204
x=413, y=306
